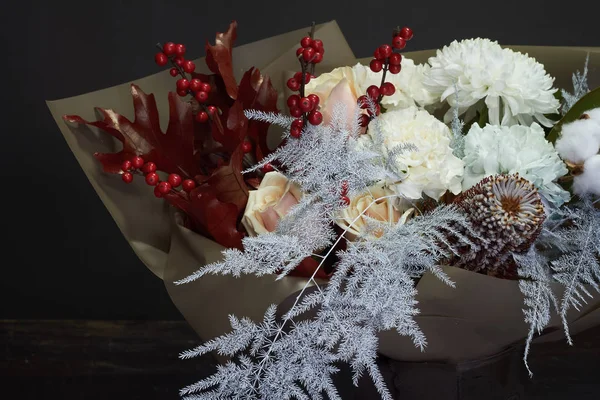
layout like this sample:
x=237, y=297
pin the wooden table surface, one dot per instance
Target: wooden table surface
x=138, y=360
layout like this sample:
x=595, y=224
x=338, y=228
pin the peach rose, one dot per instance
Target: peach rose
x=269, y=203
x=383, y=210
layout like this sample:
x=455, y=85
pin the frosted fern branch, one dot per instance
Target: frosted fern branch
x=580, y=88
x=270, y=117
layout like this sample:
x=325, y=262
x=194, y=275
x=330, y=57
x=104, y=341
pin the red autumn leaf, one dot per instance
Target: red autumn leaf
x=307, y=268
x=173, y=151
x=209, y=216
x=219, y=58
x=228, y=183
x=257, y=93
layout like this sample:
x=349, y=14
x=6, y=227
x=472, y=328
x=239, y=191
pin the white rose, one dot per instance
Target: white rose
x=269, y=203
x=432, y=169
x=383, y=210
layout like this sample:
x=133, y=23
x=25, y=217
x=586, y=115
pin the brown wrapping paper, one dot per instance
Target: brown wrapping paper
x=480, y=317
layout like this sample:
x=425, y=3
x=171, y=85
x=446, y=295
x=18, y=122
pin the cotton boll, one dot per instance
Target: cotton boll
x=589, y=181
x=579, y=140
x=594, y=114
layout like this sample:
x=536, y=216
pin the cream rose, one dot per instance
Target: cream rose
x=354, y=218
x=269, y=203
x=355, y=80
x=432, y=169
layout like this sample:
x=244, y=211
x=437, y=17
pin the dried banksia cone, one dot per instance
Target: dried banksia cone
x=507, y=211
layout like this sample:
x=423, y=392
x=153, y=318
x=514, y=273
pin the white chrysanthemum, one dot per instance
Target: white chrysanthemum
x=517, y=149
x=514, y=86
x=408, y=83
x=432, y=169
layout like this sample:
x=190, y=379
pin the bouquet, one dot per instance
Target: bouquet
x=374, y=202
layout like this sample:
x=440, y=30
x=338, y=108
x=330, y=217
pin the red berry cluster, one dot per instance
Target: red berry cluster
x=384, y=59
x=199, y=90
x=305, y=108
x=137, y=165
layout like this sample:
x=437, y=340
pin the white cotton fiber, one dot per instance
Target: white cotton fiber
x=589, y=181
x=594, y=114
x=579, y=140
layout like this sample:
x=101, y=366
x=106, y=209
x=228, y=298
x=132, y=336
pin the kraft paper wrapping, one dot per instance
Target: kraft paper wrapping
x=482, y=316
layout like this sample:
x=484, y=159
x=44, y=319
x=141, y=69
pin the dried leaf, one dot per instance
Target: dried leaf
x=219, y=58
x=173, y=151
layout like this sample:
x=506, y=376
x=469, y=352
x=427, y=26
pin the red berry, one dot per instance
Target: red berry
x=246, y=147
x=173, y=71
x=377, y=110
x=346, y=200
x=189, y=66
x=344, y=188
x=315, y=117
x=306, y=41
x=295, y=132
x=406, y=33
x=183, y=84
x=317, y=44
x=293, y=84
x=202, y=117
x=161, y=59
x=298, y=123
x=398, y=42
x=157, y=192
x=195, y=84
x=201, y=97
x=164, y=187
x=305, y=104
x=364, y=120
x=363, y=101
x=387, y=89
x=385, y=50
x=296, y=112
x=376, y=65
x=174, y=180
x=308, y=54
x=169, y=48
x=137, y=162
x=179, y=50
x=126, y=166
x=377, y=55
x=394, y=69
x=293, y=101
x=373, y=92
x=267, y=168
x=205, y=87
x=314, y=99
x=179, y=61
x=299, y=51
x=212, y=110
x=152, y=179
x=182, y=92
x=127, y=177
x=318, y=57
x=188, y=185
x=395, y=59
x=149, y=167
x=298, y=77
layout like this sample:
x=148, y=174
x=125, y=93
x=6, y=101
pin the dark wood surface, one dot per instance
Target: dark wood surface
x=138, y=360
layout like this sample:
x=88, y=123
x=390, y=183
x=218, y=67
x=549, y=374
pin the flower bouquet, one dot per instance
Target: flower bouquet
x=429, y=206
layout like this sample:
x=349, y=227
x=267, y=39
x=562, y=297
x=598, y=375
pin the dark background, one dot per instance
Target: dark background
x=63, y=256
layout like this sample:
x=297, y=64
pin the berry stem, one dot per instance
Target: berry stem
x=385, y=69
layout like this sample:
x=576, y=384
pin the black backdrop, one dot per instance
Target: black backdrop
x=63, y=256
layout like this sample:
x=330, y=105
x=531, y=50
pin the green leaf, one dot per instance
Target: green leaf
x=483, y=116
x=587, y=102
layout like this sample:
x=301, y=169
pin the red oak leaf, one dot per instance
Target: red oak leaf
x=209, y=216
x=257, y=93
x=219, y=58
x=228, y=183
x=173, y=151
